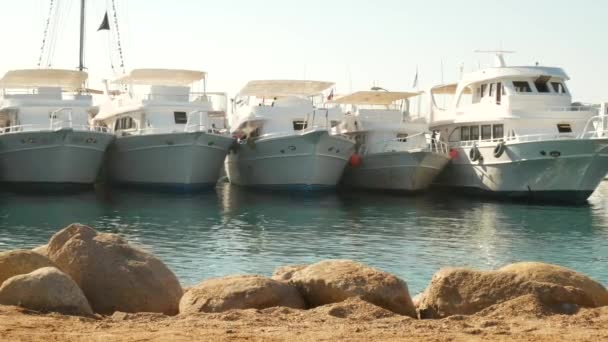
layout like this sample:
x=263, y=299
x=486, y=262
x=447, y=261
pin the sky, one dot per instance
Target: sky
x=355, y=43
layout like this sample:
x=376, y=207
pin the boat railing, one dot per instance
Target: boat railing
x=417, y=142
x=596, y=126
x=45, y=127
x=310, y=118
x=202, y=125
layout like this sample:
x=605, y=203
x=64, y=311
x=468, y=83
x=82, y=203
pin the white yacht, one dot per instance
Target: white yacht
x=284, y=138
x=514, y=131
x=395, y=151
x=45, y=136
x=167, y=136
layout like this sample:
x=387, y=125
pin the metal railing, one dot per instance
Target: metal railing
x=203, y=123
x=418, y=142
x=58, y=119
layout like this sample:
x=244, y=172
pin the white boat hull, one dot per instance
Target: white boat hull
x=64, y=156
x=561, y=170
x=397, y=171
x=309, y=161
x=188, y=160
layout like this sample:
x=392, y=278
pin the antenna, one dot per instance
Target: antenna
x=499, y=60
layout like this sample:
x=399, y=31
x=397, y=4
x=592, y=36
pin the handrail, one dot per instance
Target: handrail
x=44, y=127
x=54, y=114
x=429, y=144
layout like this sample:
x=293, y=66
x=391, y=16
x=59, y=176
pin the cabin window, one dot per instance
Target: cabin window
x=486, y=132
x=180, y=117
x=564, y=128
x=522, y=87
x=492, y=86
x=126, y=122
x=474, y=132
x=541, y=86
x=299, y=125
x=498, y=131
x=483, y=90
x=464, y=134
x=558, y=87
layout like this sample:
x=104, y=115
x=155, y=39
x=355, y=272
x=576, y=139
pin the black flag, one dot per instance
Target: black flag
x=105, y=24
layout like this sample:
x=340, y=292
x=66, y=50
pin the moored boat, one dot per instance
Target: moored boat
x=285, y=138
x=394, y=150
x=515, y=132
x=166, y=135
x=45, y=135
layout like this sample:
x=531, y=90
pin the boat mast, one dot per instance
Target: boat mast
x=81, y=55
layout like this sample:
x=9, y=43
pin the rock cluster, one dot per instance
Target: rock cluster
x=83, y=272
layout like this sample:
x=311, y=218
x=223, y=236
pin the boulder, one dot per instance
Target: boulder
x=460, y=291
x=239, y=292
x=45, y=289
x=333, y=281
x=21, y=261
x=113, y=275
x=42, y=250
x=547, y=273
x=284, y=273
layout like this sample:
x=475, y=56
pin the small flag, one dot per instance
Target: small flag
x=415, y=84
x=105, y=24
x=331, y=95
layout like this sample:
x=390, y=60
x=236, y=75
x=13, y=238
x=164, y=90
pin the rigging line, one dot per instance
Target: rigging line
x=46, y=31
x=120, y=54
x=53, y=33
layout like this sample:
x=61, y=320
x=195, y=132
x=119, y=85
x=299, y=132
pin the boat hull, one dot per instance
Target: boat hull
x=65, y=156
x=396, y=171
x=181, y=161
x=309, y=161
x=561, y=170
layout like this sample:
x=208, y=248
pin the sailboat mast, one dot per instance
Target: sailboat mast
x=81, y=55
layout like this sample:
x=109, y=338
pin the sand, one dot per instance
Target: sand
x=522, y=319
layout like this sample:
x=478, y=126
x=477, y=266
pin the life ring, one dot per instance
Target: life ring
x=355, y=160
x=474, y=154
x=499, y=149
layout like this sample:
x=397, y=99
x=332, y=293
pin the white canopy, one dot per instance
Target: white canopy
x=166, y=77
x=281, y=88
x=448, y=89
x=375, y=97
x=30, y=78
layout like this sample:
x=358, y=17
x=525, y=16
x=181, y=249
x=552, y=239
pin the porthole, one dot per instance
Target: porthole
x=169, y=142
x=211, y=143
x=330, y=149
x=31, y=140
x=292, y=148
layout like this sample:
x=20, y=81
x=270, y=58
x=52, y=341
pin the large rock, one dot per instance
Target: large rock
x=333, y=281
x=459, y=291
x=21, y=261
x=546, y=273
x=239, y=292
x=284, y=273
x=45, y=289
x=42, y=250
x=113, y=275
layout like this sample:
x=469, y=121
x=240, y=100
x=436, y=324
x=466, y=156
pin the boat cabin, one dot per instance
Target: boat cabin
x=380, y=121
x=270, y=107
x=503, y=103
x=148, y=101
x=44, y=99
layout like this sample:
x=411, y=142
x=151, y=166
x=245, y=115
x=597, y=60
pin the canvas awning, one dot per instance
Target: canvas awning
x=166, y=77
x=375, y=97
x=282, y=88
x=448, y=89
x=33, y=78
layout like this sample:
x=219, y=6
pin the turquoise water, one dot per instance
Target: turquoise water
x=232, y=230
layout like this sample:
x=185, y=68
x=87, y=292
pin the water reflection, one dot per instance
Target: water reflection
x=232, y=230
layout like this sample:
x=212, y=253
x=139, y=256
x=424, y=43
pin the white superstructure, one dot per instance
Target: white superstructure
x=167, y=135
x=514, y=131
x=45, y=136
x=284, y=137
x=397, y=152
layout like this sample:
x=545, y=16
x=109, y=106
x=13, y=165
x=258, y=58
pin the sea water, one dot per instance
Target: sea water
x=231, y=230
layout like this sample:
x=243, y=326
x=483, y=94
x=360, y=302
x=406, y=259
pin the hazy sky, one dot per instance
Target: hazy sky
x=354, y=43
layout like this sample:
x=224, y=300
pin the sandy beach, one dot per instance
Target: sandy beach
x=522, y=319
